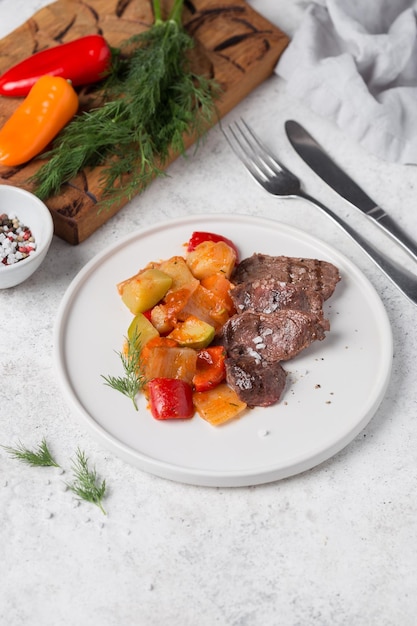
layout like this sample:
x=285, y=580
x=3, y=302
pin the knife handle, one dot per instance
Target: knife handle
x=392, y=229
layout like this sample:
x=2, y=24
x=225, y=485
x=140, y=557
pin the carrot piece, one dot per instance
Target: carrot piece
x=211, y=368
x=205, y=305
x=220, y=286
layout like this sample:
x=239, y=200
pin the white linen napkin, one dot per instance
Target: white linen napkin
x=355, y=62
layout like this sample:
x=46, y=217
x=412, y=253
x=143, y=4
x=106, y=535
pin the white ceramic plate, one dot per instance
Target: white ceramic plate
x=334, y=387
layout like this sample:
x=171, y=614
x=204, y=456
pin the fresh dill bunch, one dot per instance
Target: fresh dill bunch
x=153, y=99
x=133, y=380
x=85, y=484
x=39, y=457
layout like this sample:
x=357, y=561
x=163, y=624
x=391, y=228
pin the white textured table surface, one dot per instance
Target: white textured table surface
x=333, y=546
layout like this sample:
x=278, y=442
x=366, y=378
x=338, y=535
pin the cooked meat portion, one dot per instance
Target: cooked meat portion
x=256, y=382
x=270, y=337
x=320, y=276
x=268, y=294
x=279, y=312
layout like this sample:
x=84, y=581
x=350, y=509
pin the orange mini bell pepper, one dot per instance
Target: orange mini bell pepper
x=50, y=104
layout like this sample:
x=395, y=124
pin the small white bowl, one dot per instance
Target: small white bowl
x=34, y=214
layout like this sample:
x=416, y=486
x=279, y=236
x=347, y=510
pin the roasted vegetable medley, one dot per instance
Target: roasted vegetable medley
x=180, y=306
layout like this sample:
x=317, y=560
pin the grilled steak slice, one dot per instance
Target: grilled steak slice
x=272, y=337
x=320, y=276
x=266, y=295
x=256, y=382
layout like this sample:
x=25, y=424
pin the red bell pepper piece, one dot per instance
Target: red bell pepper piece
x=211, y=369
x=82, y=61
x=200, y=236
x=148, y=314
x=170, y=398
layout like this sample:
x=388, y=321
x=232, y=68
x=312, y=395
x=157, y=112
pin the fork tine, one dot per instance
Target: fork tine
x=273, y=162
x=256, y=141
x=241, y=151
x=260, y=162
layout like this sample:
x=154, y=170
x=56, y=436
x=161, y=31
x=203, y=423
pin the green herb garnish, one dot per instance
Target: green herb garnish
x=132, y=382
x=40, y=457
x=153, y=99
x=85, y=484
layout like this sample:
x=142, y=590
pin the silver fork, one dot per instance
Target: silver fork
x=279, y=181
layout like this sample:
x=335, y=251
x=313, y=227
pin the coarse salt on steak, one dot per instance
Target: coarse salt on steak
x=256, y=382
x=314, y=274
x=268, y=294
x=277, y=336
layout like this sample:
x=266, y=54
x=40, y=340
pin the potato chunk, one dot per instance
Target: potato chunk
x=210, y=258
x=182, y=278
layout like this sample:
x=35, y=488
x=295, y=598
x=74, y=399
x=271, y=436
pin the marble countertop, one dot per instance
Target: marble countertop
x=332, y=546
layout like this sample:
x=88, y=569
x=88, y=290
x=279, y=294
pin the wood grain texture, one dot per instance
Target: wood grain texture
x=234, y=44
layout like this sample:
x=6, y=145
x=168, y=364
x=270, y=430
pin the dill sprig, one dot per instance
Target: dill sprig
x=153, y=100
x=85, y=484
x=132, y=382
x=39, y=457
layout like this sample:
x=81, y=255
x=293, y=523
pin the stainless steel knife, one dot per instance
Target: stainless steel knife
x=315, y=156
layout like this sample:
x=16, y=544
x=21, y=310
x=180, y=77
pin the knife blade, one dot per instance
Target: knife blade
x=319, y=161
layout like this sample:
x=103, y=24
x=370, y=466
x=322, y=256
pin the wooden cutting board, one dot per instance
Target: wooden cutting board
x=234, y=44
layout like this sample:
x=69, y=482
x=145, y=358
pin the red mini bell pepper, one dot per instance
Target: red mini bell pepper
x=200, y=236
x=170, y=398
x=211, y=369
x=82, y=61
